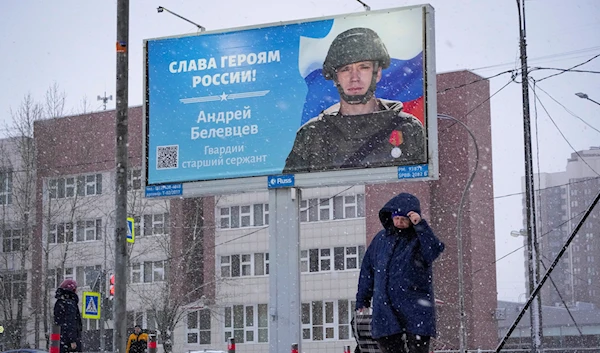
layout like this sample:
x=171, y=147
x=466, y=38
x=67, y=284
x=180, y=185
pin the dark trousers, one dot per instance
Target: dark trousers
x=404, y=343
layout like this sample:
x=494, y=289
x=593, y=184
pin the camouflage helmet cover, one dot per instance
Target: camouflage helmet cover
x=354, y=45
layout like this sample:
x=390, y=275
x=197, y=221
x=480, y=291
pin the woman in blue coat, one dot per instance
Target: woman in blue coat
x=396, y=278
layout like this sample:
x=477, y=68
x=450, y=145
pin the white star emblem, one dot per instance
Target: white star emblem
x=223, y=96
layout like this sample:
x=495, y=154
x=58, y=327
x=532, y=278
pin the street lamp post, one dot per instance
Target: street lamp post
x=585, y=96
x=161, y=9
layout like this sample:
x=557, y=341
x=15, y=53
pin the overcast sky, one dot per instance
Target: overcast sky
x=72, y=43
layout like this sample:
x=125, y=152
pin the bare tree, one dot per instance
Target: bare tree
x=17, y=198
x=54, y=102
x=166, y=301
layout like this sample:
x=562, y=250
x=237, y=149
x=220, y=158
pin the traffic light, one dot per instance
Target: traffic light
x=111, y=290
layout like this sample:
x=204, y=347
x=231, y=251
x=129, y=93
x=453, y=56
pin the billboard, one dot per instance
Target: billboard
x=329, y=98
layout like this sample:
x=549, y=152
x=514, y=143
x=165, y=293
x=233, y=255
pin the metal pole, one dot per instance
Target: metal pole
x=284, y=270
x=231, y=345
x=120, y=299
x=55, y=339
x=532, y=248
x=591, y=100
x=152, y=343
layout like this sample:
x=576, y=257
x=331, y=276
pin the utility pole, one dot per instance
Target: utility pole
x=532, y=243
x=120, y=299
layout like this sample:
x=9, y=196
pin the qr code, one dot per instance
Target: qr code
x=167, y=157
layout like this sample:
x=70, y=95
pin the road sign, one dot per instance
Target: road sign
x=91, y=305
x=130, y=230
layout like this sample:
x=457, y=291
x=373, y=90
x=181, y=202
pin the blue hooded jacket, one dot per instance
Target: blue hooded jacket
x=396, y=274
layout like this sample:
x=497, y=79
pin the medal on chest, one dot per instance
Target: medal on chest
x=396, y=140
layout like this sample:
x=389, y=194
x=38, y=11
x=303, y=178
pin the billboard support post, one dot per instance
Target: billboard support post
x=284, y=271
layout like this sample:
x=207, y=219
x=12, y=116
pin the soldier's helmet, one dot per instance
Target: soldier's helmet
x=354, y=45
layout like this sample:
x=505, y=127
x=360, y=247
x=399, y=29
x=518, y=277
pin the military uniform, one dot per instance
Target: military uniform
x=332, y=141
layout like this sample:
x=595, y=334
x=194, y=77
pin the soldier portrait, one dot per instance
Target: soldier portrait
x=362, y=130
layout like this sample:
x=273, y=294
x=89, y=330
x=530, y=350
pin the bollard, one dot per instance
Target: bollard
x=152, y=343
x=346, y=349
x=294, y=347
x=231, y=345
x=55, y=339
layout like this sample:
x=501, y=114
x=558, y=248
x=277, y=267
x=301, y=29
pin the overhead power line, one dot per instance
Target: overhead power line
x=567, y=109
x=569, y=69
x=544, y=58
x=560, y=131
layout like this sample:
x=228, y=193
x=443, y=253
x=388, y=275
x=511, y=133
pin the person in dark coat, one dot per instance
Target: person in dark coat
x=360, y=131
x=396, y=278
x=68, y=317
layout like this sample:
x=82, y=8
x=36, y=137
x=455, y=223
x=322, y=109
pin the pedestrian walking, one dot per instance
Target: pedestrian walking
x=396, y=278
x=68, y=317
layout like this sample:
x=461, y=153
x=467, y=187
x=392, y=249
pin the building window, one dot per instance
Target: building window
x=345, y=310
x=261, y=264
x=61, y=233
x=325, y=210
x=89, y=185
x=134, y=179
x=14, y=285
x=319, y=260
x=255, y=215
x=6, y=187
x=87, y=230
x=136, y=273
x=82, y=185
x=148, y=272
x=225, y=266
x=198, y=327
x=245, y=265
x=155, y=224
x=225, y=217
x=247, y=323
x=135, y=318
x=154, y=271
x=326, y=320
x=88, y=275
x=12, y=240
x=318, y=321
x=340, y=207
x=348, y=258
x=55, y=276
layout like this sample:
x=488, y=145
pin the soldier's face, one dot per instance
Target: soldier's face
x=355, y=78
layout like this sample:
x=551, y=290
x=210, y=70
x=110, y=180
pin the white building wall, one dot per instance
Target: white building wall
x=322, y=286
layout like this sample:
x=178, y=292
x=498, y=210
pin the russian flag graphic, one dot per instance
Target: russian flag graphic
x=402, y=34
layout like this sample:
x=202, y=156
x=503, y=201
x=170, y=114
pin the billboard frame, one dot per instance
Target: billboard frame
x=322, y=178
